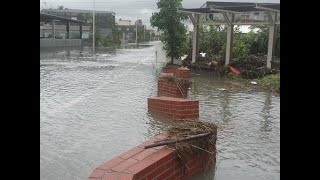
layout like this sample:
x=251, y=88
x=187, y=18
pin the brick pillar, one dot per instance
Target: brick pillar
x=170, y=86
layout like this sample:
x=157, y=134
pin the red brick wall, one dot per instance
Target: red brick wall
x=175, y=108
x=153, y=163
x=182, y=72
x=171, y=88
x=171, y=69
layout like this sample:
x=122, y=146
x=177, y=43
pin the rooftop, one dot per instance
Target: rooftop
x=50, y=17
x=76, y=11
x=234, y=7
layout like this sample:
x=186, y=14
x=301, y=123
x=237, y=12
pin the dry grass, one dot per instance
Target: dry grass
x=197, y=146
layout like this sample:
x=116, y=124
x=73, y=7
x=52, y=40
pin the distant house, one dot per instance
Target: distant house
x=128, y=30
x=104, y=20
x=123, y=22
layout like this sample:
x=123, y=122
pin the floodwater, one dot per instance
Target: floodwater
x=93, y=109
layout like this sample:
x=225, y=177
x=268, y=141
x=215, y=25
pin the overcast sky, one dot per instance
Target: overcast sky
x=128, y=9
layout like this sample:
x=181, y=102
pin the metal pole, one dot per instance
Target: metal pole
x=53, y=30
x=137, y=31
x=80, y=30
x=93, y=29
x=144, y=33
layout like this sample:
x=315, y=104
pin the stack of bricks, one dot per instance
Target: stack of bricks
x=153, y=163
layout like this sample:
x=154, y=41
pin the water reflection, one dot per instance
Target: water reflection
x=225, y=109
x=156, y=122
x=265, y=113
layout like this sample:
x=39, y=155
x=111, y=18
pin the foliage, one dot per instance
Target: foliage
x=259, y=45
x=213, y=41
x=143, y=35
x=110, y=40
x=270, y=80
x=168, y=20
x=97, y=35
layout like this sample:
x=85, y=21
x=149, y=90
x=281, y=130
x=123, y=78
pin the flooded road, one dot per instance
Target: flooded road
x=93, y=109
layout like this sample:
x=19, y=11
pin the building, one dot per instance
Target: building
x=60, y=31
x=104, y=20
x=138, y=22
x=123, y=22
x=128, y=30
x=60, y=35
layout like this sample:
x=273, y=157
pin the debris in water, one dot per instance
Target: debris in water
x=253, y=82
x=190, y=137
x=221, y=89
x=234, y=70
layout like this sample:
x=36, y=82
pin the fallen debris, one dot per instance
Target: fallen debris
x=190, y=137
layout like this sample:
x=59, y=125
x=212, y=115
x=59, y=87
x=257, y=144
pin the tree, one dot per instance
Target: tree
x=212, y=40
x=114, y=37
x=169, y=20
x=110, y=40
